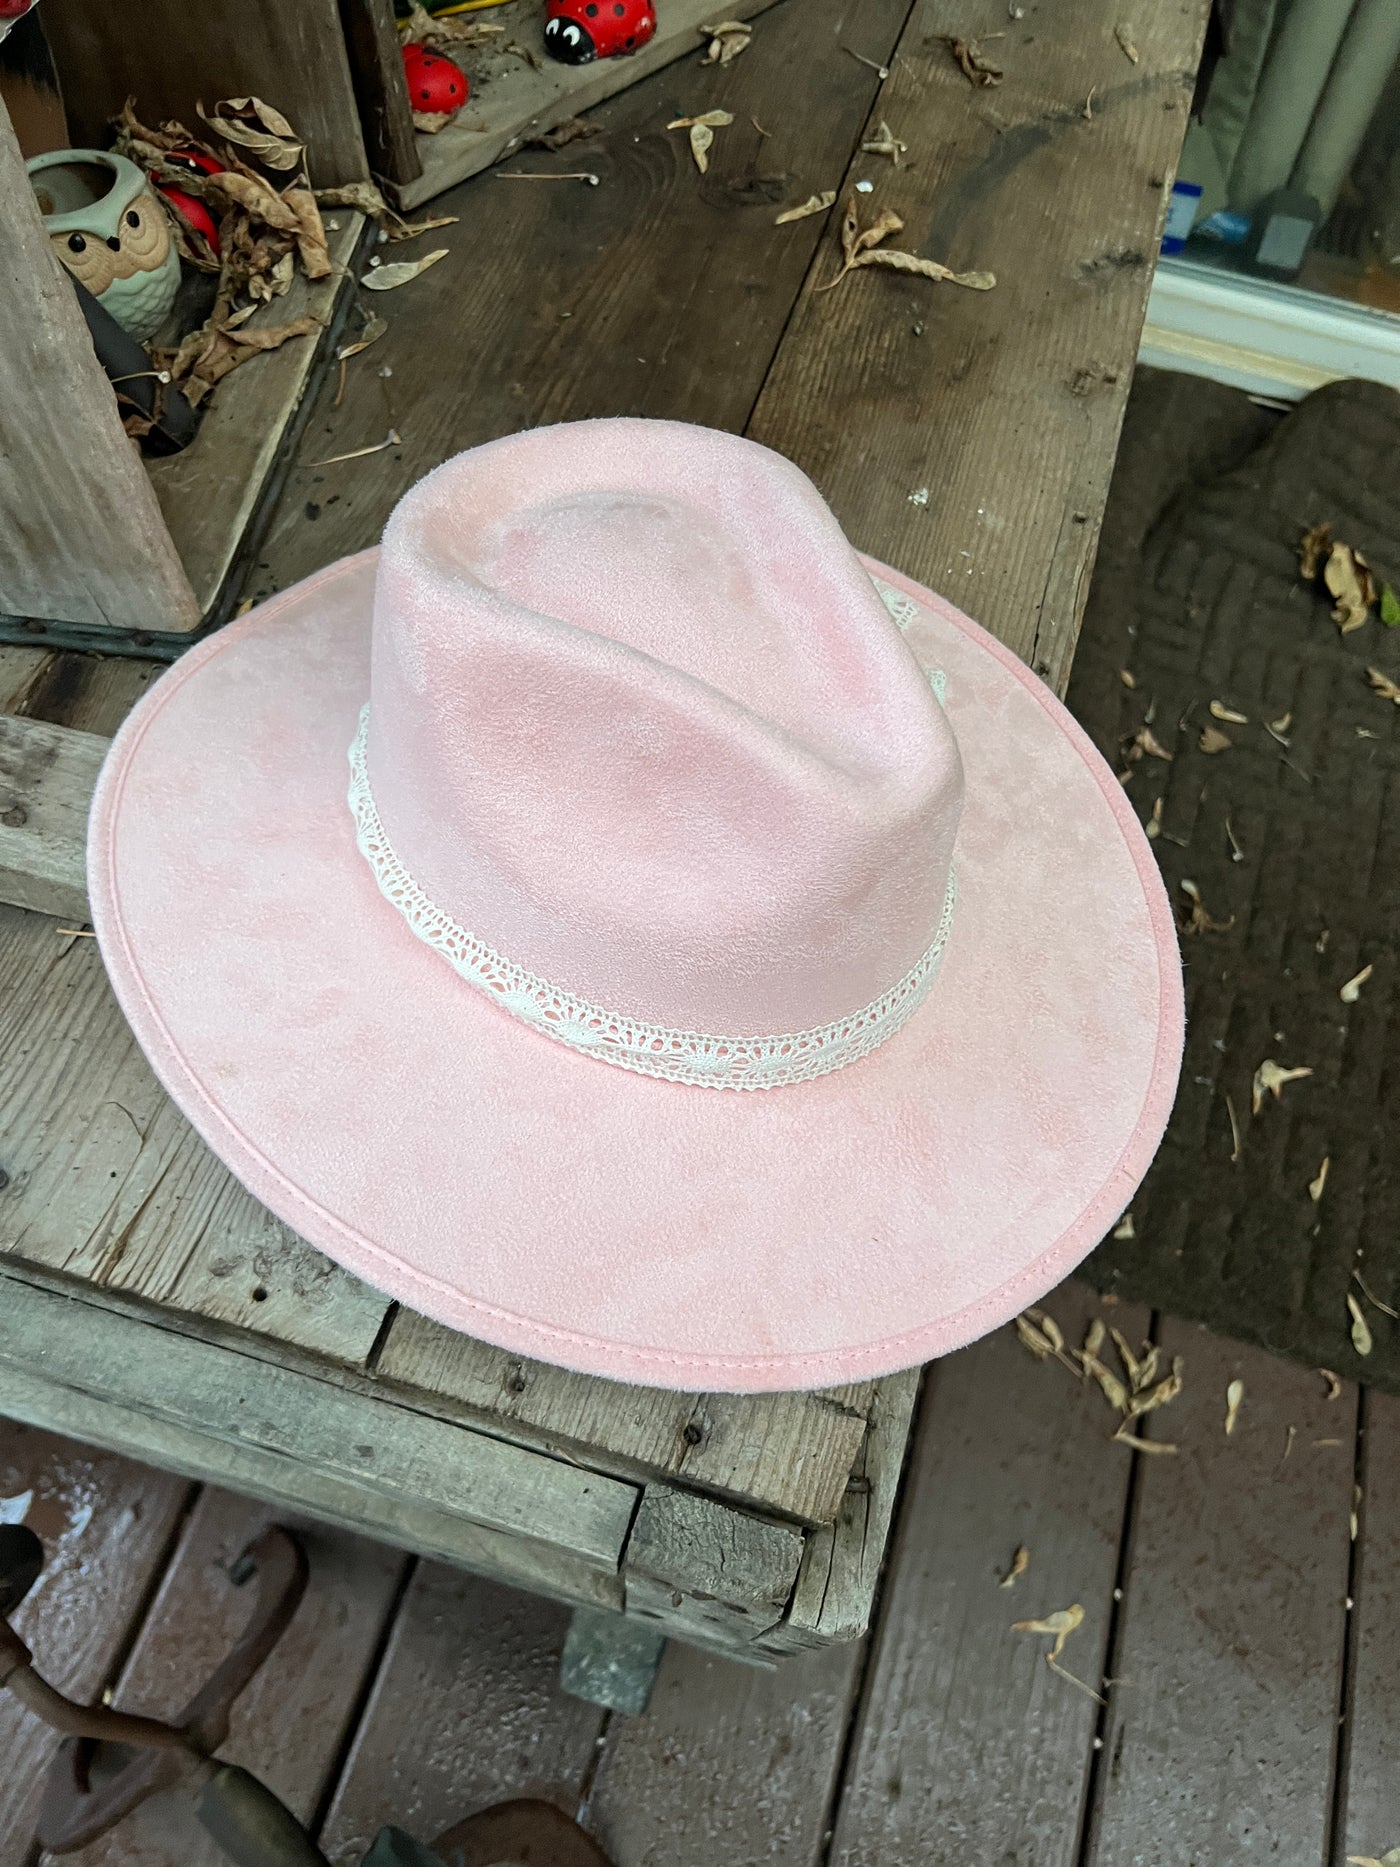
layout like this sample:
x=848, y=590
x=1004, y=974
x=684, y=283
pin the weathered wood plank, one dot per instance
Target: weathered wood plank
x=84, y=540
x=711, y=1574
x=1369, y=1805
x=106, y=1525
x=376, y=71
x=19, y=667
x=792, y=1452
x=660, y=292
x=290, y=1726
x=90, y=693
x=237, y=1407
x=964, y=1735
x=1004, y=405
x=170, y=57
x=835, y=1592
x=107, y=1181
x=466, y=1710
x=1222, y=1727
x=728, y=1765
x=211, y=492
x=512, y=98
x=46, y=778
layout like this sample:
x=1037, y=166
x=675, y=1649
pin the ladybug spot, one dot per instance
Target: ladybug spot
x=631, y=38
x=592, y=9
x=619, y=9
x=425, y=94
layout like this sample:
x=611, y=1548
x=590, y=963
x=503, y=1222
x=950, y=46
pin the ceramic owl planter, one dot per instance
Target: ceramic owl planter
x=111, y=232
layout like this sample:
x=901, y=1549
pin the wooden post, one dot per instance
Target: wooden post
x=81, y=536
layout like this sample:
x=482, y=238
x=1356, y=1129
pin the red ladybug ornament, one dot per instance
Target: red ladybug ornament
x=578, y=31
x=190, y=209
x=436, y=85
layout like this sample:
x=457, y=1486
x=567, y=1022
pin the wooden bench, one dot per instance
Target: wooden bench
x=148, y=1303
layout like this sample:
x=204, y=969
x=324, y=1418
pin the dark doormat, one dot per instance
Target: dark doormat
x=1292, y=840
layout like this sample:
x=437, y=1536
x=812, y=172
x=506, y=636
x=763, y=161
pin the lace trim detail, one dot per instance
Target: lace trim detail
x=903, y=608
x=694, y=1057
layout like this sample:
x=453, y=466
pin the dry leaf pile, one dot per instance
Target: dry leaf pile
x=861, y=247
x=366, y=199
x=727, y=40
x=440, y=35
x=702, y=133
x=269, y=225
x=1139, y=1389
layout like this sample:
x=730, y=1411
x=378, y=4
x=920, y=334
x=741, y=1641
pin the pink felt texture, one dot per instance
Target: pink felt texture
x=640, y=722
x=540, y=1199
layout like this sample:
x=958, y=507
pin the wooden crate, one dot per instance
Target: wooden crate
x=107, y=549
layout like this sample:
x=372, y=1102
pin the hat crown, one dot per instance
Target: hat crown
x=641, y=723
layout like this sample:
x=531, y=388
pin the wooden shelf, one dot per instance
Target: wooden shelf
x=510, y=97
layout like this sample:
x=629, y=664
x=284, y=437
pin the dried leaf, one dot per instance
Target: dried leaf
x=975, y=66
x=1123, y=34
x=365, y=198
x=1348, y=577
x=257, y=197
x=400, y=271
x=1195, y=919
x=1131, y=1365
x=1384, y=686
x=712, y=119
x=1127, y=677
x=1351, y=991
x=1220, y=711
x=371, y=334
x=814, y=204
x=1034, y=1340
x=1390, y=608
x=1114, y=1392
x=1391, y=1858
x=884, y=224
x=1154, y=822
x=1313, y=548
x=1360, y=1328
x=431, y=122
x=1088, y=111
x=1125, y=1227
x=1051, y=1330
x=885, y=143
x=702, y=133
x=1238, y=1145
x=1317, y=1185
x=311, y=235
x=1270, y=1078
x=1160, y=1395
x=1060, y=1625
x=421, y=28
x=1145, y=742
x=255, y=126
x=727, y=39
x=1147, y=1368
x=1159, y=1446
x=1334, y=1385
x=1234, y=1394
x=1094, y=1336
x=571, y=130
x=925, y=268
x=1213, y=740
x=1277, y=728
x=1020, y=1562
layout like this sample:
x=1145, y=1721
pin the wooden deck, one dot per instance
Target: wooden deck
x=1242, y=1641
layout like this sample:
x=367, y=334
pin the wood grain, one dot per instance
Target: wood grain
x=1222, y=1726
x=967, y=1747
x=466, y=1710
x=512, y=97
x=84, y=538
x=660, y=292
x=47, y=774
x=169, y=57
x=291, y=1724
x=376, y=70
x=90, y=693
x=1369, y=1806
x=728, y=1765
x=1004, y=405
x=106, y=1525
x=791, y=1452
x=710, y=1574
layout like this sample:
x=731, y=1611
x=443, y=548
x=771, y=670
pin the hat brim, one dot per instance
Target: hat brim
x=575, y=1212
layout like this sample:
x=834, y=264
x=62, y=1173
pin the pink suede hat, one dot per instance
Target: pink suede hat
x=729, y=968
